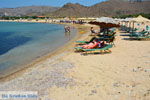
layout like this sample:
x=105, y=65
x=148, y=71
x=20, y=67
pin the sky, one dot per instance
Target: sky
x=56, y=3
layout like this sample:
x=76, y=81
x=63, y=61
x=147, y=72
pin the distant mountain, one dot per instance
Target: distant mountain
x=118, y=7
x=29, y=10
x=107, y=8
x=69, y=9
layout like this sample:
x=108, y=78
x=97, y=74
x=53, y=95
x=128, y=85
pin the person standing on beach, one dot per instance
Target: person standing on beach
x=67, y=29
x=67, y=32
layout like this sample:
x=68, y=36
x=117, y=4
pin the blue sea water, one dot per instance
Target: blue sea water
x=20, y=43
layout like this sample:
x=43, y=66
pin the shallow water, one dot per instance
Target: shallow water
x=20, y=43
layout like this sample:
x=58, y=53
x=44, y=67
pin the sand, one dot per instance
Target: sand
x=123, y=74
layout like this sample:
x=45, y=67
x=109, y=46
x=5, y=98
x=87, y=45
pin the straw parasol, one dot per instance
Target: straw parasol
x=140, y=19
x=106, y=20
x=104, y=25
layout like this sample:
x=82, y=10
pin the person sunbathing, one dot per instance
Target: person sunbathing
x=95, y=43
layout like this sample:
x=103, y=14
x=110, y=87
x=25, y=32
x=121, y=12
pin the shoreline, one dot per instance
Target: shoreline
x=66, y=47
x=25, y=21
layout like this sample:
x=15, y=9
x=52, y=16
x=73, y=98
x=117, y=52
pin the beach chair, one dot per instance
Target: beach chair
x=108, y=39
x=104, y=49
x=111, y=41
x=86, y=42
x=133, y=30
x=148, y=28
x=137, y=34
x=82, y=42
x=141, y=37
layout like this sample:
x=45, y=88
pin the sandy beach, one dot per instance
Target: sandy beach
x=123, y=74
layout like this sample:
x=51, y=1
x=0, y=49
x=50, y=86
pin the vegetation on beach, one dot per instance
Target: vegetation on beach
x=36, y=17
x=21, y=17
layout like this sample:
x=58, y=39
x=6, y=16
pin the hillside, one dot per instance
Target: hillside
x=117, y=7
x=108, y=8
x=29, y=10
x=70, y=9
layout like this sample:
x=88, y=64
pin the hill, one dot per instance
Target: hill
x=108, y=8
x=27, y=11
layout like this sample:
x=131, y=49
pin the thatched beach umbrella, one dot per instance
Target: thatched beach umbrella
x=104, y=25
x=140, y=19
x=106, y=20
x=127, y=22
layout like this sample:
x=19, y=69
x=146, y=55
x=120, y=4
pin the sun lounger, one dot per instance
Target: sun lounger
x=106, y=38
x=141, y=38
x=137, y=34
x=82, y=42
x=102, y=50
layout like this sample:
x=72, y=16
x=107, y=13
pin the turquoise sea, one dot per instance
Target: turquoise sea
x=21, y=43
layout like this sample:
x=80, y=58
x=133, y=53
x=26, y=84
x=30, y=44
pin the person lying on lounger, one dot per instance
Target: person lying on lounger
x=95, y=43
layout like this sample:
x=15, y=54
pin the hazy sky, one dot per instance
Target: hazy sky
x=19, y=3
